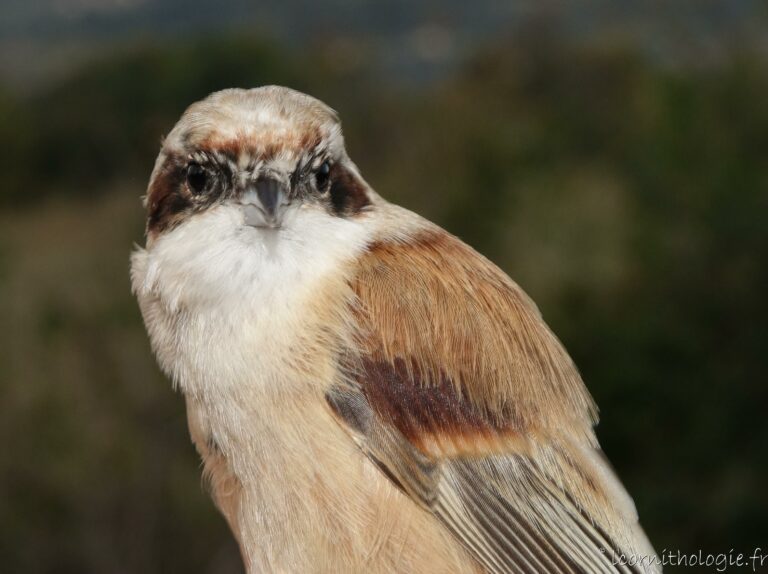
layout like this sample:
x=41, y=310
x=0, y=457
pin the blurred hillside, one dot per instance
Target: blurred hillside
x=627, y=196
x=406, y=42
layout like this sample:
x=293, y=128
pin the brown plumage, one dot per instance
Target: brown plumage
x=368, y=393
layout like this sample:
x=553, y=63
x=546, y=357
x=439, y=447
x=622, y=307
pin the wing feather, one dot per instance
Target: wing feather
x=445, y=392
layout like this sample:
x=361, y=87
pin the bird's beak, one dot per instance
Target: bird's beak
x=264, y=202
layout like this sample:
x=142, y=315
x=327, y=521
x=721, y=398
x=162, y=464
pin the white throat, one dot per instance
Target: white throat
x=221, y=298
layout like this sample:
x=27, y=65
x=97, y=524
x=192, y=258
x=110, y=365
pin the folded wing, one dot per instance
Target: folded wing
x=460, y=394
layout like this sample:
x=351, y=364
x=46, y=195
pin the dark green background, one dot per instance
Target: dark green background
x=625, y=187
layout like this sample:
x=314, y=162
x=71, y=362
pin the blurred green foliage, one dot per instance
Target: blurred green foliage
x=628, y=198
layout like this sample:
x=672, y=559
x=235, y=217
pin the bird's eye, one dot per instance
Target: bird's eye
x=197, y=178
x=322, y=175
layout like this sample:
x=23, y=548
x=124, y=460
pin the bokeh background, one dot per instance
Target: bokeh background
x=610, y=155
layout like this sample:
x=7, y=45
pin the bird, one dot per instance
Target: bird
x=367, y=392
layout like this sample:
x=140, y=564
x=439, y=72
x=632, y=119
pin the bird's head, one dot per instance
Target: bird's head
x=262, y=156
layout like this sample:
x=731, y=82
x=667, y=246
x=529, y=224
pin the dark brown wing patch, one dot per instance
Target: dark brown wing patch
x=435, y=417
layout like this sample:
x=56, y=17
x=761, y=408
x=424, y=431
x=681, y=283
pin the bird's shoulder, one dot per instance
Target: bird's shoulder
x=445, y=322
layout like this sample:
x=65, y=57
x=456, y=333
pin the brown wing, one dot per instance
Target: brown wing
x=463, y=397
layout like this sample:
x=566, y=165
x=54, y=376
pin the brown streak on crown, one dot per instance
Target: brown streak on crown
x=265, y=146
